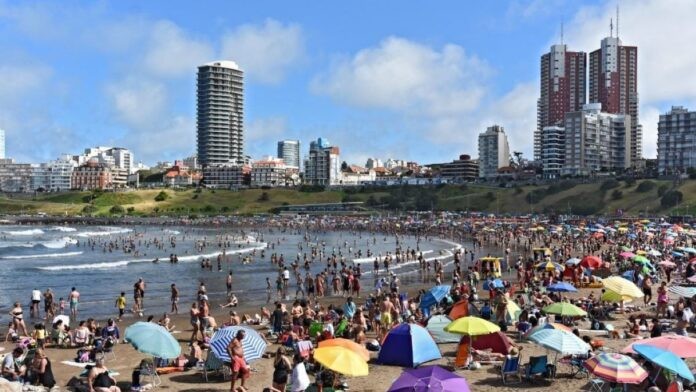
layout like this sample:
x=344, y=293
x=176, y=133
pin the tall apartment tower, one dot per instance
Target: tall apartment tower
x=676, y=141
x=614, y=85
x=220, y=114
x=2, y=144
x=562, y=89
x=289, y=152
x=494, y=151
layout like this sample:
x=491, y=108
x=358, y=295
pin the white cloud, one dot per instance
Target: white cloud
x=172, y=53
x=19, y=80
x=138, y=103
x=266, y=52
x=264, y=129
x=170, y=139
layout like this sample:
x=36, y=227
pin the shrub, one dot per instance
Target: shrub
x=371, y=201
x=194, y=197
x=609, y=184
x=518, y=190
x=225, y=209
x=162, y=196
x=311, y=188
x=671, y=198
x=117, y=210
x=264, y=197
x=616, y=195
x=662, y=190
x=646, y=186
x=130, y=210
x=90, y=209
x=490, y=196
x=208, y=208
x=630, y=182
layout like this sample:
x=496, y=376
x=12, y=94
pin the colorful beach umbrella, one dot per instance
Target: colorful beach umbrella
x=613, y=367
x=471, y=326
x=349, y=344
x=408, y=345
x=563, y=287
x=640, y=259
x=253, y=344
x=591, y=262
x=682, y=346
x=562, y=342
x=341, y=360
x=627, y=255
x=493, y=284
x=152, y=339
x=664, y=359
x=611, y=296
x=462, y=308
x=565, y=309
x=549, y=266
x=436, y=327
x=558, y=326
x=434, y=296
x=622, y=287
x=654, y=253
x=429, y=379
x=573, y=261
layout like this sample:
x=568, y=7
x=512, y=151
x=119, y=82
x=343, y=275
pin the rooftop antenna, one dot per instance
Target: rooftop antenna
x=617, y=20
x=561, y=32
x=611, y=27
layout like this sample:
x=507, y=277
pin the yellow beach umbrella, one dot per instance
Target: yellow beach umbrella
x=622, y=287
x=349, y=344
x=341, y=360
x=611, y=296
x=489, y=258
x=472, y=326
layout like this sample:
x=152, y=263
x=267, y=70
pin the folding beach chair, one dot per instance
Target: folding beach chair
x=213, y=364
x=596, y=385
x=511, y=367
x=149, y=371
x=536, y=366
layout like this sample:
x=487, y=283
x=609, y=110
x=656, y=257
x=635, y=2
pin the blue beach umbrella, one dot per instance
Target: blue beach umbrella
x=253, y=344
x=493, y=284
x=677, y=254
x=434, y=296
x=561, y=287
x=152, y=339
x=562, y=342
x=408, y=345
x=664, y=359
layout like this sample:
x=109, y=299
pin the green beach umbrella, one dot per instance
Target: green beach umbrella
x=640, y=259
x=564, y=309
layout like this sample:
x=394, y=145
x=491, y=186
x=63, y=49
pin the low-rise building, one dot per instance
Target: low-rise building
x=92, y=176
x=15, y=177
x=180, y=175
x=269, y=171
x=355, y=175
x=223, y=176
x=460, y=170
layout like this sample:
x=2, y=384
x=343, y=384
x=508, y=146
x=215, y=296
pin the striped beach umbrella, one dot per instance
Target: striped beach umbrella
x=253, y=344
x=562, y=342
x=614, y=367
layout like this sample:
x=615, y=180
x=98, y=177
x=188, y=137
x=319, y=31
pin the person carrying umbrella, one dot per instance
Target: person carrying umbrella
x=238, y=364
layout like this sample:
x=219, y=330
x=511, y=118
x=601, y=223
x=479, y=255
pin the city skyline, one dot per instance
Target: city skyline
x=133, y=76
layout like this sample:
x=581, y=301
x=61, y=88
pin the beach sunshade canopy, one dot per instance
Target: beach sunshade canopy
x=512, y=312
x=683, y=291
x=549, y=266
x=564, y=309
x=563, y=287
x=627, y=255
x=436, y=327
x=640, y=259
x=429, y=379
x=490, y=258
x=461, y=309
x=493, y=284
x=664, y=359
x=560, y=341
x=573, y=261
x=667, y=263
x=653, y=252
x=253, y=344
x=349, y=344
x=341, y=360
x=497, y=342
x=622, y=286
x=62, y=317
x=152, y=339
x=434, y=296
x=682, y=346
x=547, y=326
x=613, y=367
x=472, y=326
x=408, y=345
x=611, y=296
x=591, y=262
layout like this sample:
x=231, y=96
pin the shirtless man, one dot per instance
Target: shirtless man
x=238, y=364
x=175, y=299
x=385, y=309
x=48, y=304
x=74, y=299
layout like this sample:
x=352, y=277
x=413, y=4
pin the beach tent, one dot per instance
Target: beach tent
x=408, y=345
x=463, y=308
x=436, y=327
x=497, y=342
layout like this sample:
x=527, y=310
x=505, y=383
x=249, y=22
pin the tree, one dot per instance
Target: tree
x=117, y=210
x=162, y=196
x=671, y=198
x=344, y=166
x=616, y=195
x=264, y=197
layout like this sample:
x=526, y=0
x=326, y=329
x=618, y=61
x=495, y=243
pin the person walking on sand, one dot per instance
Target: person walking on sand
x=239, y=367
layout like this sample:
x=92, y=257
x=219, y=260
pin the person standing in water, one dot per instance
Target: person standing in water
x=74, y=299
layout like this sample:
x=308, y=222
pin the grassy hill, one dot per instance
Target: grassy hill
x=647, y=196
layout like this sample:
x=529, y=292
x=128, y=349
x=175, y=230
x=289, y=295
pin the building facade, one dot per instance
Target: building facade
x=562, y=89
x=93, y=175
x=289, y=152
x=269, y=172
x=223, y=176
x=463, y=169
x=323, y=165
x=596, y=142
x=553, y=151
x=676, y=141
x=494, y=151
x=16, y=177
x=220, y=114
x=613, y=83
x=373, y=163
x=2, y=144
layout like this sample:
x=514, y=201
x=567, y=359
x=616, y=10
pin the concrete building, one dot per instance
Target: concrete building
x=15, y=177
x=463, y=169
x=119, y=160
x=191, y=162
x=562, y=89
x=614, y=84
x=494, y=151
x=358, y=176
x=2, y=144
x=323, y=165
x=373, y=163
x=220, y=114
x=289, y=152
x=54, y=176
x=553, y=150
x=223, y=176
x=596, y=142
x=676, y=141
x=180, y=175
x=92, y=175
x=269, y=172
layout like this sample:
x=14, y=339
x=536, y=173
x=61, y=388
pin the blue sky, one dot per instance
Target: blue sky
x=412, y=81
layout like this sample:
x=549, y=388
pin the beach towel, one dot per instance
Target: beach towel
x=77, y=364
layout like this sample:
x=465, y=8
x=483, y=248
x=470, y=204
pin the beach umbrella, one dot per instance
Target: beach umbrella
x=434, y=296
x=512, y=312
x=591, y=262
x=627, y=255
x=557, y=326
x=654, y=253
x=462, y=308
x=471, y=326
x=613, y=367
x=549, y=266
x=429, y=379
x=349, y=344
x=562, y=342
x=436, y=327
x=611, y=296
x=489, y=258
x=677, y=254
x=683, y=291
x=253, y=344
x=62, y=317
x=564, y=287
x=667, y=263
x=497, y=342
x=408, y=345
x=152, y=339
x=622, y=286
x=573, y=261
x=493, y=284
x=682, y=346
x=564, y=309
x=640, y=259
x=664, y=359
x=689, y=250
x=341, y=360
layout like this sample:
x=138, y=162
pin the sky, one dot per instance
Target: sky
x=388, y=79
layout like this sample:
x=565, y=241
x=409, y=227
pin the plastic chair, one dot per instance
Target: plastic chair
x=511, y=367
x=213, y=364
x=596, y=385
x=150, y=371
x=536, y=366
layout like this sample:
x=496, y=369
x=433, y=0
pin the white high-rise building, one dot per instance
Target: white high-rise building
x=323, y=166
x=220, y=114
x=552, y=149
x=676, y=141
x=494, y=151
x=2, y=144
